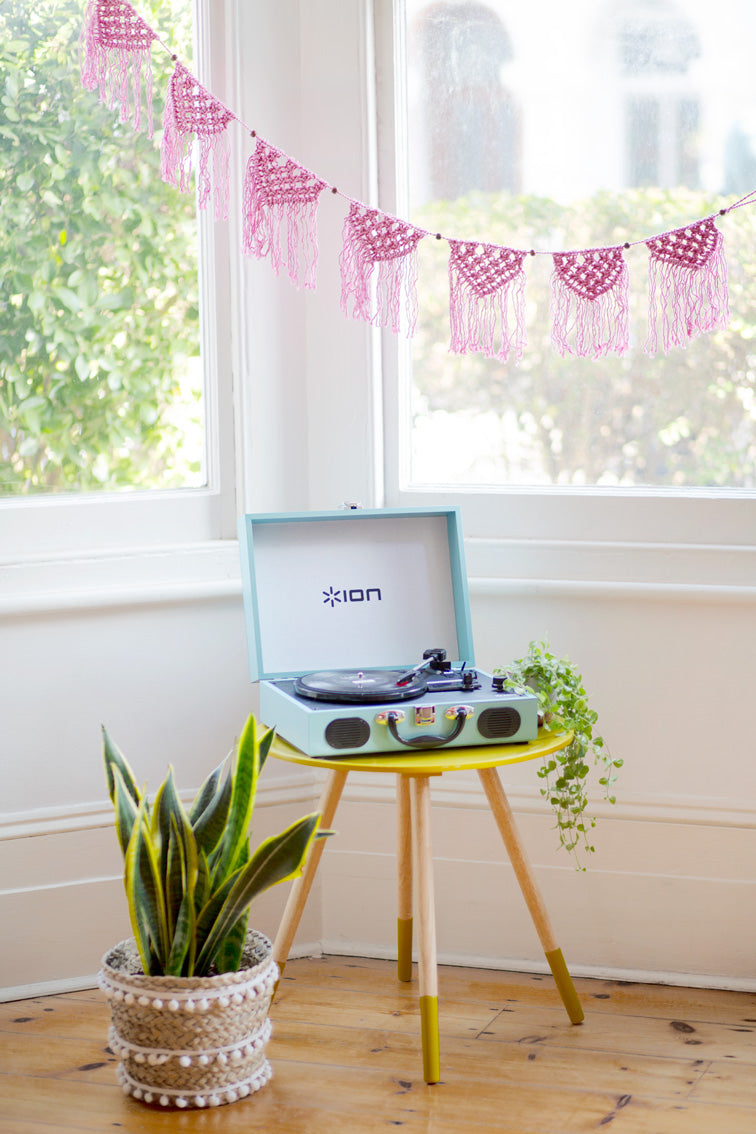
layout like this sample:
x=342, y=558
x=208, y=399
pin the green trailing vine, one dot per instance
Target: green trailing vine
x=563, y=706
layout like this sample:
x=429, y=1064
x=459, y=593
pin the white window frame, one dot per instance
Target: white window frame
x=69, y=524
x=652, y=536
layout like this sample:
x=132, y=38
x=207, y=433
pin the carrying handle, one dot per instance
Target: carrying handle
x=428, y=741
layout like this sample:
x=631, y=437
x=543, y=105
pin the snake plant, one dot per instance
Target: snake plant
x=190, y=874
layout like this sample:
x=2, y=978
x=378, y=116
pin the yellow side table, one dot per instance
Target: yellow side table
x=413, y=771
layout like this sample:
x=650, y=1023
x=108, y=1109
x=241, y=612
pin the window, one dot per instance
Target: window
x=632, y=119
x=469, y=133
x=109, y=419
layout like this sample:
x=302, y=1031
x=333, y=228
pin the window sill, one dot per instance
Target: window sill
x=133, y=577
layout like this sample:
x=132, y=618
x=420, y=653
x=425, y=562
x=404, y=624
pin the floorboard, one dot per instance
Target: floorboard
x=649, y=1059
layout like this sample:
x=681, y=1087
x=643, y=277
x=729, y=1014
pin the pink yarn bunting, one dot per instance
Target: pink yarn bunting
x=190, y=109
x=590, y=303
x=484, y=283
x=370, y=239
x=277, y=190
x=687, y=285
x=112, y=37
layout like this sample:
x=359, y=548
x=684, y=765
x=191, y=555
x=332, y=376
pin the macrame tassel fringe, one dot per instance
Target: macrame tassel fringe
x=387, y=298
x=590, y=303
x=112, y=37
x=190, y=109
x=279, y=193
x=687, y=285
x=485, y=282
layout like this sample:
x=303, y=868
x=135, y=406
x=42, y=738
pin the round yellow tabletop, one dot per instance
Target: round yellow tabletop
x=430, y=762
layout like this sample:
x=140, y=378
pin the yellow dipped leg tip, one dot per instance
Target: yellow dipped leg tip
x=404, y=944
x=566, y=988
x=429, y=1026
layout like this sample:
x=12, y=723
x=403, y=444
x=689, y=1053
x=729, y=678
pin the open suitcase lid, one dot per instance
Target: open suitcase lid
x=353, y=589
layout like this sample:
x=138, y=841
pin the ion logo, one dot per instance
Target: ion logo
x=356, y=594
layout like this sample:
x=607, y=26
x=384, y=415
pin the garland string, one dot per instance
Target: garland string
x=687, y=269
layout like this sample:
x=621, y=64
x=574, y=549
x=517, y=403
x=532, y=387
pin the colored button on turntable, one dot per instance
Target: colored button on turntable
x=398, y=714
x=455, y=711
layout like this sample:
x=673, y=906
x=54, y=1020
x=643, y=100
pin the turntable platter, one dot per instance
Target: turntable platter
x=366, y=686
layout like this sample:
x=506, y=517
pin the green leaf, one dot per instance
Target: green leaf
x=229, y=954
x=211, y=823
x=115, y=759
x=275, y=860
x=144, y=893
x=168, y=817
x=244, y=774
x=183, y=944
x=126, y=810
x=205, y=794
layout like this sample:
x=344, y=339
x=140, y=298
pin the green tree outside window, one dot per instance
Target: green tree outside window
x=100, y=377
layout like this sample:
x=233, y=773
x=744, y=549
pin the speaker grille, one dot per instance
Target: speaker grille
x=495, y=724
x=347, y=732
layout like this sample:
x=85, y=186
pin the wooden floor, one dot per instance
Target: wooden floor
x=346, y=1059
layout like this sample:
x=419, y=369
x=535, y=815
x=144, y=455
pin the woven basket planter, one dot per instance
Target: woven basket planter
x=190, y=1041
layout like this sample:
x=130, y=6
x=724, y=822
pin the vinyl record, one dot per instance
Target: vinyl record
x=369, y=686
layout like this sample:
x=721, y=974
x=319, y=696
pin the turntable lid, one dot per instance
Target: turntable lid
x=353, y=589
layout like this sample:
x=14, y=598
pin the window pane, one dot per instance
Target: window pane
x=531, y=129
x=100, y=374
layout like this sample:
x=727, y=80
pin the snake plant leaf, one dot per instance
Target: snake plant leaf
x=277, y=859
x=202, y=889
x=229, y=954
x=208, y=913
x=126, y=810
x=183, y=943
x=144, y=892
x=211, y=822
x=114, y=758
x=166, y=807
x=265, y=742
x=206, y=793
x=244, y=772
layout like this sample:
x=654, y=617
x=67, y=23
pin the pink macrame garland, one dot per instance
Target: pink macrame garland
x=277, y=190
x=590, y=303
x=112, y=37
x=370, y=239
x=190, y=109
x=687, y=269
x=687, y=285
x=484, y=282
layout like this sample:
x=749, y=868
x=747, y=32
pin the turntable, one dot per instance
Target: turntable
x=342, y=609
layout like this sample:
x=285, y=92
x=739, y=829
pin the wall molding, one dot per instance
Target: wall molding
x=519, y=965
x=303, y=787
x=63, y=583
x=615, y=590
x=713, y=811
x=335, y=948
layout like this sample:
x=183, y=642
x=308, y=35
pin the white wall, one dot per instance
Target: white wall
x=664, y=639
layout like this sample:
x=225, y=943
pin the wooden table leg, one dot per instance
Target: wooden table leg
x=524, y=873
x=299, y=892
x=426, y=927
x=404, y=877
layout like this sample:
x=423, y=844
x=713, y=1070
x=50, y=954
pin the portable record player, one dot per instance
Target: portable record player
x=359, y=632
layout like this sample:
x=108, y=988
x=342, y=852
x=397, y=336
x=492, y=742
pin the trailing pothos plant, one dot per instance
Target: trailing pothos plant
x=563, y=707
x=190, y=874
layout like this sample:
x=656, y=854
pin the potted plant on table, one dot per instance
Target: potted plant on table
x=563, y=707
x=189, y=994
